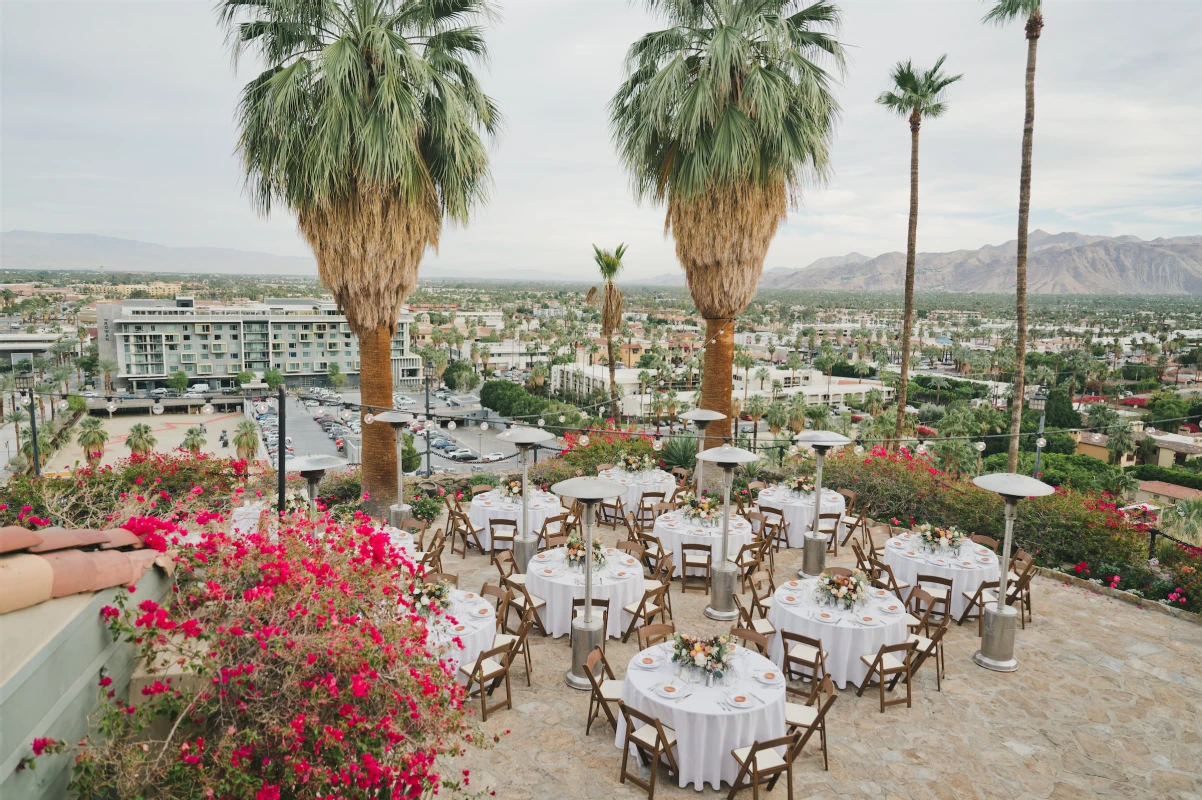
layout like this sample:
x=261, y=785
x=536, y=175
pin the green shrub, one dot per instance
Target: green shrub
x=680, y=451
x=1152, y=472
x=1081, y=472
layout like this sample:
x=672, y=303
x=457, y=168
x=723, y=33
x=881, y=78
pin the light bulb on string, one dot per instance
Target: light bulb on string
x=859, y=450
x=451, y=425
x=584, y=440
x=206, y=409
x=62, y=405
x=980, y=447
x=657, y=444
x=1041, y=442
x=541, y=422
x=483, y=426
x=111, y=407
x=157, y=408
x=562, y=418
x=369, y=418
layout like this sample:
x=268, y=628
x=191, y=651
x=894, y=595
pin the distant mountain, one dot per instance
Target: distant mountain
x=35, y=250
x=677, y=278
x=1061, y=263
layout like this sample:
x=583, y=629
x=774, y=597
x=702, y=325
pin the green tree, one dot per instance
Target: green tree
x=246, y=439
x=367, y=123
x=194, y=440
x=178, y=380
x=609, y=297
x=724, y=116
x=273, y=378
x=140, y=440
x=338, y=379
x=1002, y=12
x=92, y=437
x=244, y=377
x=912, y=96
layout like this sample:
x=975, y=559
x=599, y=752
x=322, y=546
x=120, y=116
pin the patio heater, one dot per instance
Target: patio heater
x=701, y=417
x=25, y=381
x=526, y=542
x=813, y=559
x=1039, y=402
x=399, y=511
x=587, y=631
x=997, y=642
x=725, y=574
x=313, y=469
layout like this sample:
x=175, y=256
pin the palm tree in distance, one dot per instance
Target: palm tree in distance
x=609, y=296
x=246, y=439
x=724, y=116
x=913, y=95
x=140, y=440
x=92, y=437
x=366, y=123
x=1002, y=12
x=194, y=440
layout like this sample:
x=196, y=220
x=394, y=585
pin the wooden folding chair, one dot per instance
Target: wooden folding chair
x=751, y=637
x=635, y=549
x=885, y=579
x=507, y=567
x=652, y=741
x=517, y=642
x=552, y=526
x=761, y=592
x=810, y=718
x=605, y=690
x=925, y=648
x=871, y=548
x=940, y=589
x=760, y=764
x=633, y=531
x=984, y=541
x=862, y=562
x=697, y=557
x=416, y=529
x=651, y=635
x=645, y=610
x=1019, y=593
x=775, y=523
x=854, y=524
x=645, y=512
x=884, y=664
x=985, y=593
x=681, y=475
x=502, y=531
x=828, y=526
x=559, y=540
x=481, y=488
x=599, y=607
x=662, y=576
x=463, y=530
x=610, y=513
x=748, y=561
x=653, y=550
x=486, y=674
x=805, y=660
x=435, y=577
x=500, y=599
x=524, y=601
x=760, y=626
x=918, y=611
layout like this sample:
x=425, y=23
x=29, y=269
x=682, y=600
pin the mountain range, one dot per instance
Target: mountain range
x=1057, y=263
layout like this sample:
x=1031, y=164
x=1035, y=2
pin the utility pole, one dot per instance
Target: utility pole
x=429, y=367
x=283, y=451
x=26, y=381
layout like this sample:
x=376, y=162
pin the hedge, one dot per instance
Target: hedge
x=1152, y=472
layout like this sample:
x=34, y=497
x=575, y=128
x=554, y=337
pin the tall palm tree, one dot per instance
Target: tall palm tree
x=762, y=374
x=609, y=262
x=724, y=116
x=756, y=408
x=1002, y=12
x=366, y=122
x=246, y=439
x=194, y=440
x=913, y=95
x=140, y=440
x=92, y=437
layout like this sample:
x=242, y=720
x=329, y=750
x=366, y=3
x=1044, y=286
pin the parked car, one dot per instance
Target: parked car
x=461, y=454
x=492, y=457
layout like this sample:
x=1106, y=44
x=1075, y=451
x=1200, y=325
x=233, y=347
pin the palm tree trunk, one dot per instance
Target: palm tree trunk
x=1034, y=27
x=719, y=382
x=379, y=443
x=613, y=381
x=911, y=254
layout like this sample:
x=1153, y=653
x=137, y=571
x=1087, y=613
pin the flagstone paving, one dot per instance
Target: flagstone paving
x=1107, y=702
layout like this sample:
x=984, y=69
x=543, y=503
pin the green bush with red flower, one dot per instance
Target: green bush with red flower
x=303, y=672
x=602, y=447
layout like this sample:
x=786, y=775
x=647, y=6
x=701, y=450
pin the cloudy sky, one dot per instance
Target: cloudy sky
x=116, y=118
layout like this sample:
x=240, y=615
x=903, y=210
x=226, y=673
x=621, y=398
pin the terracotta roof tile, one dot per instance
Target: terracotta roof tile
x=13, y=538
x=119, y=537
x=74, y=572
x=63, y=539
x=25, y=580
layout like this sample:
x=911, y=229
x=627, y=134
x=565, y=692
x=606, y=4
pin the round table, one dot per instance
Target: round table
x=400, y=539
x=798, y=510
x=707, y=728
x=845, y=638
x=490, y=505
x=673, y=530
x=464, y=621
x=566, y=583
x=967, y=568
x=655, y=481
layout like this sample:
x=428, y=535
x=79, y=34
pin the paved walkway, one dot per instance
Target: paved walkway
x=1107, y=703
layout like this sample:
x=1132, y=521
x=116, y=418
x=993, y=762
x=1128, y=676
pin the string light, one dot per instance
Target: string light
x=206, y=409
x=451, y=425
x=369, y=418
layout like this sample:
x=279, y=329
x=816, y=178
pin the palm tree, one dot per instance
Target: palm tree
x=140, y=440
x=940, y=383
x=609, y=262
x=246, y=439
x=723, y=116
x=756, y=408
x=914, y=95
x=92, y=437
x=762, y=374
x=874, y=400
x=745, y=361
x=797, y=412
x=1004, y=11
x=366, y=123
x=819, y=416
x=106, y=368
x=777, y=416
x=861, y=368
x=194, y=440
x=15, y=418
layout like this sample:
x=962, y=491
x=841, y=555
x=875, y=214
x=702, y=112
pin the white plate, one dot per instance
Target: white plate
x=647, y=660
x=867, y=620
x=670, y=690
x=763, y=678
x=789, y=599
x=544, y=556
x=548, y=572
x=824, y=616
x=794, y=584
x=740, y=700
x=892, y=608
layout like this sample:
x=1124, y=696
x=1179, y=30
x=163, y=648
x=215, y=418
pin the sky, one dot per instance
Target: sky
x=117, y=118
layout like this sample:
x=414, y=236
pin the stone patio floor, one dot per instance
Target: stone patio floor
x=1107, y=702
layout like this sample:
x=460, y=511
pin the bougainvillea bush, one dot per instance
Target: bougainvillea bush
x=303, y=672
x=602, y=447
x=1065, y=528
x=157, y=484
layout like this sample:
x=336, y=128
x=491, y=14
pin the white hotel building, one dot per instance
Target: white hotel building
x=300, y=337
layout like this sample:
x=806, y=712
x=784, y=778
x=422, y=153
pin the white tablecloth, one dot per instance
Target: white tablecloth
x=799, y=511
x=673, y=530
x=844, y=638
x=981, y=566
x=474, y=630
x=567, y=583
x=655, y=481
x=707, y=729
x=491, y=505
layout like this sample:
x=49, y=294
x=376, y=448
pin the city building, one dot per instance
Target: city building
x=300, y=337
x=17, y=347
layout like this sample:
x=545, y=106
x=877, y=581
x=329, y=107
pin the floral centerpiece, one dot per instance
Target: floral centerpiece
x=636, y=462
x=940, y=538
x=428, y=598
x=845, y=590
x=801, y=486
x=510, y=490
x=576, y=550
x=710, y=654
x=702, y=508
